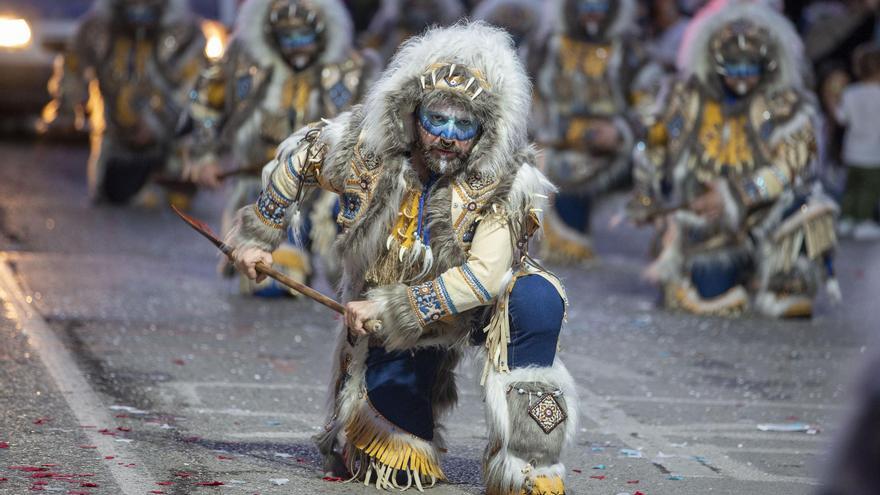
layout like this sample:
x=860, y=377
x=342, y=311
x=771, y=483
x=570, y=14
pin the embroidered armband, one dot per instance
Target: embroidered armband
x=271, y=207
x=431, y=301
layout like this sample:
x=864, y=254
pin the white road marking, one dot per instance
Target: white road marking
x=73, y=385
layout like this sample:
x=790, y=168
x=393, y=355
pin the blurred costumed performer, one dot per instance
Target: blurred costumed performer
x=439, y=200
x=588, y=87
x=397, y=20
x=725, y=171
x=130, y=66
x=291, y=62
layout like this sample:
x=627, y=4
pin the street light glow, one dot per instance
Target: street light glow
x=14, y=33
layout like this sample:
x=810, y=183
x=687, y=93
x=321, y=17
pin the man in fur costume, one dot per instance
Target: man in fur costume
x=725, y=171
x=439, y=200
x=135, y=62
x=398, y=20
x=587, y=86
x=291, y=62
x=523, y=20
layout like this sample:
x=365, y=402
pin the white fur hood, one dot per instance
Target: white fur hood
x=503, y=108
x=694, y=58
x=250, y=31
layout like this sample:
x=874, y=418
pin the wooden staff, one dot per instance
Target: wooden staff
x=202, y=228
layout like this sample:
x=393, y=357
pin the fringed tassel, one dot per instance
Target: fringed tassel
x=812, y=229
x=382, y=455
x=498, y=335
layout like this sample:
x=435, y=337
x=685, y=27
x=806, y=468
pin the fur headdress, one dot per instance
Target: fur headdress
x=695, y=59
x=176, y=11
x=472, y=64
x=250, y=30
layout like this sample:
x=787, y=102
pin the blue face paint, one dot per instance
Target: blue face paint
x=447, y=127
x=593, y=7
x=291, y=40
x=742, y=69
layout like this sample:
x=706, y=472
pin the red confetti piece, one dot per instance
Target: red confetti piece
x=179, y=362
x=578, y=471
x=28, y=469
x=123, y=428
x=210, y=483
x=88, y=446
x=4, y=445
x=225, y=458
x=88, y=484
x=49, y=465
x=164, y=483
x=108, y=457
x=333, y=479
x=42, y=421
x=597, y=477
x=41, y=482
x=105, y=431
x=36, y=488
x=3, y=479
x=155, y=491
x=183, y=474
x=78, y=492
x=121, y=416
x=632, y=482
x=638, y=493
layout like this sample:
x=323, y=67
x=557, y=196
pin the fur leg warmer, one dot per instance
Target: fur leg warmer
x=531, y=413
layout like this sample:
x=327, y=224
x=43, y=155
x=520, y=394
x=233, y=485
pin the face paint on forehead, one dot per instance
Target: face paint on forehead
x=449, y=123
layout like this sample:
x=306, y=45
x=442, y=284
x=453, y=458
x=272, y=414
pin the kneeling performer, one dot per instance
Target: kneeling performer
x=439, y=199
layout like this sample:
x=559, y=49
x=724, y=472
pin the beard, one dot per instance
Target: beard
x=443, y=164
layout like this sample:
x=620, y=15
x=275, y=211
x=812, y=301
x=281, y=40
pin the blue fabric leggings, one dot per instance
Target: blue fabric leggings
x=400, y=383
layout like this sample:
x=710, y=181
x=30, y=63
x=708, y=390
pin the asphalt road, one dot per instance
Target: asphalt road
x=127, y=363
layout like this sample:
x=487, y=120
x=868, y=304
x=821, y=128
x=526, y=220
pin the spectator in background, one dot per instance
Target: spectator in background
x=859, y=111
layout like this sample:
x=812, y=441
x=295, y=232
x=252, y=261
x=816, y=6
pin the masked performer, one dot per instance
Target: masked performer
x=135, y=61
x=522, y=19
x=439, y=201
x=290, y=63
x=587, y=86
x=398, y=20
x=729, y=158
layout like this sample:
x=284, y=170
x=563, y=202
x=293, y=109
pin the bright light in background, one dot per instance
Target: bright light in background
x=14, y=33
x=215, y=34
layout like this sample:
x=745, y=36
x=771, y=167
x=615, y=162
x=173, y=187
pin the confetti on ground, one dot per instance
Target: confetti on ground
x=279, y=481
x=597, y=477
x=4, y=445
x=42, y=421
x=675, y=477
x=210, y=483
x=630, y=453
x=599, y=466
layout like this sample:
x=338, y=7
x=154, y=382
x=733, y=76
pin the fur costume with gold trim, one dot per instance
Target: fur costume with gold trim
x=587, y=82
x=253, y=99
x=759, y=149
x=133, y=84
x=433, y=256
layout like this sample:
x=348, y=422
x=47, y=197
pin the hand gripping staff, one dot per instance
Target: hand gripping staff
x=202, y=228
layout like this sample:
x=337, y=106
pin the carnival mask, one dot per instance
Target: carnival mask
x=297, y=31
x=592, y=15
x=742, y=55
x=140, y=13
x=447, y=134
